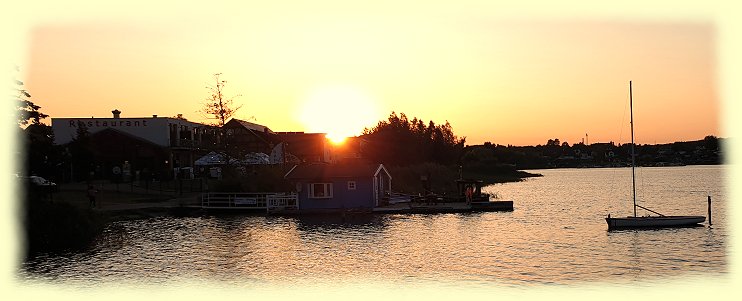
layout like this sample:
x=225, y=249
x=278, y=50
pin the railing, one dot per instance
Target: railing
x=282, y=201
x=258, y=201
x=188, y=143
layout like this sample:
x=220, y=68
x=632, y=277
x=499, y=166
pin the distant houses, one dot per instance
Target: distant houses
x=706, y=151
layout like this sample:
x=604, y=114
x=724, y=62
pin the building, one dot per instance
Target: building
x=167, y=146
x=351, y=150
x=156, y=144
x=315, y=147
x=246, y=137
x=322, y=186
x=306, y=147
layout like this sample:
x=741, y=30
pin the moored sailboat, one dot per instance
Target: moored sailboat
x=659, y=221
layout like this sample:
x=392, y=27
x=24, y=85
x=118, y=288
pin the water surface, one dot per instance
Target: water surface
x=555, y=235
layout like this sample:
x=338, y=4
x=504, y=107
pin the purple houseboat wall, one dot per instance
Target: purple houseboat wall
x=340, y=186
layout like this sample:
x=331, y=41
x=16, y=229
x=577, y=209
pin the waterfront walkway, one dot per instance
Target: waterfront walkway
x=112, y=197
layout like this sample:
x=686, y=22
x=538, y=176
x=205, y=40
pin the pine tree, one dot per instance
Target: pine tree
x=28, y=112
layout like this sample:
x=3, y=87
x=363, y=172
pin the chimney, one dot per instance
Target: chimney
x=116, y=113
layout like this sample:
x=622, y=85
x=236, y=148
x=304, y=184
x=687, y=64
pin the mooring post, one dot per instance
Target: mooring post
x=709, y=199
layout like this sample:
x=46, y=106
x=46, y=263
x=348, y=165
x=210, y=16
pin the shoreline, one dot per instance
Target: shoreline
x=117, y=202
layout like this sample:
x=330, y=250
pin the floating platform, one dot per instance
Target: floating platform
x=455, y=207
x=492, y=206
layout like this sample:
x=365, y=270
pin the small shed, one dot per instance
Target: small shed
x=340, y=186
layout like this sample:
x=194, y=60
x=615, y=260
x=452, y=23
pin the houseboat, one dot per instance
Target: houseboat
x=323, y=187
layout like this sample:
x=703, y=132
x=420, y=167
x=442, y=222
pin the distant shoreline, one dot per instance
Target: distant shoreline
x=623, y=166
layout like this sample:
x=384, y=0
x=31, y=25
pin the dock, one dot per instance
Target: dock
x=448, y=207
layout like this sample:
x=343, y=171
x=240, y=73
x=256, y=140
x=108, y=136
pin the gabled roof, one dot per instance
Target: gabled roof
x=303, y=145
x=111, y=143
x=300, y=136
x=115, y=132
x=251, y=126
x=325, y=171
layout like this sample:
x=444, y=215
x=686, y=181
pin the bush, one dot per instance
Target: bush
x=266, y=178
x=440, y=178
x=226, y=185
x=51, y=227
x=257, y=178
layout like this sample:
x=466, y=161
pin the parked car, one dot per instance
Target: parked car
x=40, y=182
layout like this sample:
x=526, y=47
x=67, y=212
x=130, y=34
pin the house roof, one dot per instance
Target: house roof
x=325, y=171
x=108, y=132
x=252, y=126
x=301, y=136
x=112, y=143
x=303, y=145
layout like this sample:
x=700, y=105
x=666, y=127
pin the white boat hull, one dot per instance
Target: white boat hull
x=654, y=221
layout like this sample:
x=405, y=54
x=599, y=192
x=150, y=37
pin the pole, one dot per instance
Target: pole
x=633, y=175
x=709, y=199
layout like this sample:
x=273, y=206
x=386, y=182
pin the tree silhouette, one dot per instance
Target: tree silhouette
x=400, y=141
x=40, y=154
x=218, y=105
x=28, y=112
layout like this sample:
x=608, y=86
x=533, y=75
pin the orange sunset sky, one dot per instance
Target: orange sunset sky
x=326, y=66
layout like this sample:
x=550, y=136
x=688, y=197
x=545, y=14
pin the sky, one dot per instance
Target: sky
x=330, y=67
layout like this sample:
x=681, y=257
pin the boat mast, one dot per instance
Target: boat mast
x=633, y=175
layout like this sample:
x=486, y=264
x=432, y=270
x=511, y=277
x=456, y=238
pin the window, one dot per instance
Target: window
x=351, y=185
x=320, y=190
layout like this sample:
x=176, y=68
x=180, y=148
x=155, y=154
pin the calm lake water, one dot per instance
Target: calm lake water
x=556, y=235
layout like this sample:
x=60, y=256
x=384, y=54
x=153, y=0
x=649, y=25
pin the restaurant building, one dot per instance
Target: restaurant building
x=158, y=145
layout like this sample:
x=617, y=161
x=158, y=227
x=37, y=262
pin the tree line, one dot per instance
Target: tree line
x=561, y=154
x=401, y=141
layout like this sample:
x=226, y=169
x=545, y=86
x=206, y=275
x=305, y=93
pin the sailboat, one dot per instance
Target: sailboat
x=659, y=221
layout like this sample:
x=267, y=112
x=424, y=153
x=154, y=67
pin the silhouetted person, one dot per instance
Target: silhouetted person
x=91, y=195
x=469, y=193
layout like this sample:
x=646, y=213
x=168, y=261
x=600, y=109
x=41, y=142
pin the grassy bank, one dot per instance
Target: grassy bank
x=57, y=226
x=442, y=178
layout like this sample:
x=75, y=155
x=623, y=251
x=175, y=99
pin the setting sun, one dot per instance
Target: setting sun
x=337, y=140
x=341, y=111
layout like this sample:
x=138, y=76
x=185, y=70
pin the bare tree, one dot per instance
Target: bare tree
x=218, y=106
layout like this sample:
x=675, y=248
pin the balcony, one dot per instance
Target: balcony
x=187, y=143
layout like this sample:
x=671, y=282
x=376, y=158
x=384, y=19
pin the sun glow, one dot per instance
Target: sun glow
x=340, y=111
x=337, y=140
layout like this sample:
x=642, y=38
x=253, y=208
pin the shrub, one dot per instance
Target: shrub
x=51, y=227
